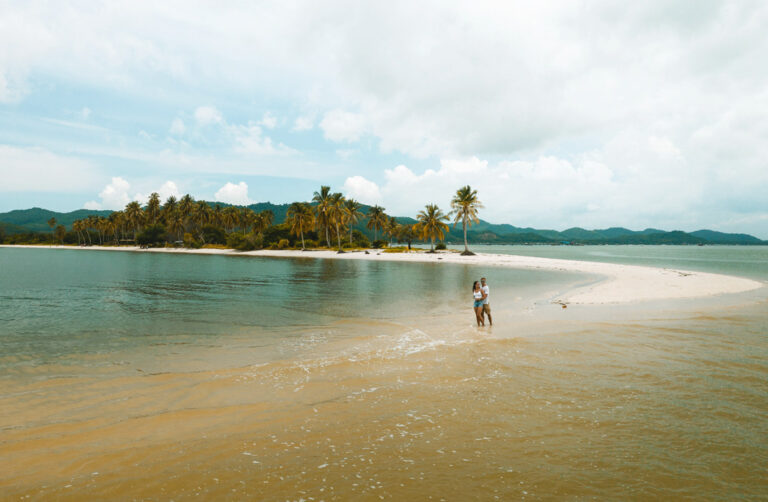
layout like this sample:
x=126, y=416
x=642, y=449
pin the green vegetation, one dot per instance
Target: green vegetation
x=329, y=221
x=464, y=206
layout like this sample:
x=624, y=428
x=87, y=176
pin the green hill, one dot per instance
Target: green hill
x=36, y=220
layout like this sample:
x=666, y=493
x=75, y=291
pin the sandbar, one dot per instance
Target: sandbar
x=618, y=283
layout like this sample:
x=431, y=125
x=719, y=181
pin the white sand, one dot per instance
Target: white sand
x=621, y=283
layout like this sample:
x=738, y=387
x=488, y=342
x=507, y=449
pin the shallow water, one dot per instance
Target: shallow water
x=197, y=391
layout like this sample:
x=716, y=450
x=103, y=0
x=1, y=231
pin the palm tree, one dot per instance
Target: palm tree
x=186, y=205
x=76, y=229
x=432, y=224
x=323, y=198
x=134, y=216
x=263, y=221
x=175, y=222
x=52, y=224
x=152, y=210
x=391, y=228
x=352, y=214
x=376, y=220
x=301, y=219
x=230, y=217
x=464, y=206
x=246, y=219
x=169, y=208
x=201, y=216
x=337, y=215
x=114, y=224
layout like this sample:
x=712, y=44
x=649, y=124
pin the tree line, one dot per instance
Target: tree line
x=327, y=221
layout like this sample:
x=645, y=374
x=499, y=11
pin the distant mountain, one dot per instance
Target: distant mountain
x=36, y=220
x=723, y=238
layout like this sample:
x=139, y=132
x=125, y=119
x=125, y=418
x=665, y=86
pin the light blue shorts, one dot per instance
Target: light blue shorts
x=478, y=303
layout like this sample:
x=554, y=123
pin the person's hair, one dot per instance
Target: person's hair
x=473, y=285
x=482, y=279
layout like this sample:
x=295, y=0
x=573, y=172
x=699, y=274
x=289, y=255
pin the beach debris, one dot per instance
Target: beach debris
x=561, y=302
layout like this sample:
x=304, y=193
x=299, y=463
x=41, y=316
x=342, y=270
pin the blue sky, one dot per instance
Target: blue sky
x=561, y=115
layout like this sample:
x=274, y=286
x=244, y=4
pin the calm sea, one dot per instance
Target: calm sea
x=152, y=376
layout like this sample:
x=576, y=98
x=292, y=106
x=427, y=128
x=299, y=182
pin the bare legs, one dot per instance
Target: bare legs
x=479, y=316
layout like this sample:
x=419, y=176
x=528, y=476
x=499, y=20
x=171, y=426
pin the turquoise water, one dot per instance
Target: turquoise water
x=155, y=376
x=61, y=302
x=745, y=261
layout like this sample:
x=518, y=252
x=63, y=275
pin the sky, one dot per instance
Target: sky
x=560, y=114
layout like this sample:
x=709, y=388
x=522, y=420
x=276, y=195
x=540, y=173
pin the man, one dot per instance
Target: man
x=487, y=301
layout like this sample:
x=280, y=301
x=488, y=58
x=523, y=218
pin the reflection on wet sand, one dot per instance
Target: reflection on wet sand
x=640, y=406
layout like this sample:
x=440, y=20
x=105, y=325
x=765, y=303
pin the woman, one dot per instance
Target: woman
x=479, y=295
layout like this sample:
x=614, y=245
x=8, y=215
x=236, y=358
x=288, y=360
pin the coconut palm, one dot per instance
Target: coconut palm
x=230, y=217
x=323, y=199
x=391, y=227
x=464, y=206
x=114, y=225
x=52, y=224
x=432, y=224
x=186, y=205
x=376, y=220
x=152, y=211
x=352, y=214
x=337, y=215
x=169, y=208
x=134, y=216
x=175, y=223
x=245, y=219
x=301, y=219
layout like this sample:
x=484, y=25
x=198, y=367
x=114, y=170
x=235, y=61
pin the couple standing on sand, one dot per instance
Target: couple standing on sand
x=482, y=305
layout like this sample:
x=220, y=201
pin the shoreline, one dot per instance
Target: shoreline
x=619, y=284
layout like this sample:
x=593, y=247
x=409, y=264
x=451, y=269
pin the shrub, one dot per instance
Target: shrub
x=440, y=246
x=380, y=244
x=360, y=240
x=245, y=242
x=191, y=242
x=214, y=235
x=153, y=235
x=283, y=244
x=309, y=243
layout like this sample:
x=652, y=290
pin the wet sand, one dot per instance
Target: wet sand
x=619, y=283
x=638, y=399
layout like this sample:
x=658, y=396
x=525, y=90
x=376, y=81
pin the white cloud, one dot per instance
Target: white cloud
x=234, y=194
x=268, y=120
x=85, y=113
x=340, y=125
x=208, y=115
x=168, y=189
x=303, y=124
x=364, y=190
x=177, y=127
x=39, y=170
x=115, y=194
x=514, y=81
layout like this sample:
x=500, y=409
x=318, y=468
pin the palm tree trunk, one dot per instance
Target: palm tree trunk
x=327, y=236
x=338, y=237
x=302, y=240
x=350, y=233
x=432, y=248
x=466, y=248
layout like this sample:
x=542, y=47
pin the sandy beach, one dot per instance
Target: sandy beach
x=616, y=283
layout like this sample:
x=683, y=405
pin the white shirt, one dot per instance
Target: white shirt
x=477, y=294
x=487, y=292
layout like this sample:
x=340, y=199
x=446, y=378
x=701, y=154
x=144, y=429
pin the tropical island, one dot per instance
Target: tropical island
x=329, y=221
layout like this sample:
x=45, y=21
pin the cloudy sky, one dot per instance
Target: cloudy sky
x=572, y=113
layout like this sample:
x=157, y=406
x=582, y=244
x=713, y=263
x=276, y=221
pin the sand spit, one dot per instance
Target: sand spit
x=620, y=283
